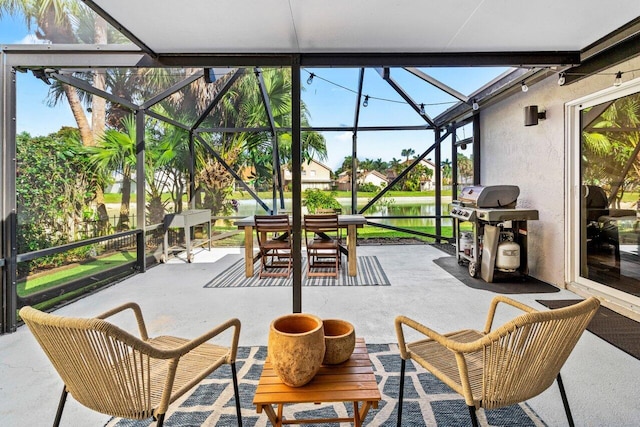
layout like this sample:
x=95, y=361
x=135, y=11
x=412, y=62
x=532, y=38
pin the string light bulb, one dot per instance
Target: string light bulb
x=422, y=109
x=561, y=79
x=524, y=87
x=366, y=101
x=618, y=80
x=475, y=105
x=310, y=79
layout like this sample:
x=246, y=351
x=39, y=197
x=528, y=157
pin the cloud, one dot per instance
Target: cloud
x=32, y=39
x=344, y=136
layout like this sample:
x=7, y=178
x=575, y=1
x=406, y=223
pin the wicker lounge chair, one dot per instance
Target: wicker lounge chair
x=113, y=372
x=275, y=243
x=322, y=235
x=504, y=366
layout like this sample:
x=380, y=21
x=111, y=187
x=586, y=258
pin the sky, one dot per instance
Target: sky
x=330, y=100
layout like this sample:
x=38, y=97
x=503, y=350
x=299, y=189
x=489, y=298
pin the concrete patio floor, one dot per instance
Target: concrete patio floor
x=601, y=381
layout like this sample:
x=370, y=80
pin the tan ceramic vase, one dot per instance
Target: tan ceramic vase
x=296, y=347
x=339, y=340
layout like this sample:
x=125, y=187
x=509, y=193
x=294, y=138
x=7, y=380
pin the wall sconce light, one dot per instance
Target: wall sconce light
x=532, y=115
x=209, y=75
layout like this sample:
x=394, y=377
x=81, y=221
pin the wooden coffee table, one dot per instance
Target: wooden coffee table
x=352, y=381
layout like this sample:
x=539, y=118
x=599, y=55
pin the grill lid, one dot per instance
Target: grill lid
x=491, y=196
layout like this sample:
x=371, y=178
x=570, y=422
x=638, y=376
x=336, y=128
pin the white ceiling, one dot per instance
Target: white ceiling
x=368, y=26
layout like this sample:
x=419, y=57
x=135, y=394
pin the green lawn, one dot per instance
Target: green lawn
x=72, y=272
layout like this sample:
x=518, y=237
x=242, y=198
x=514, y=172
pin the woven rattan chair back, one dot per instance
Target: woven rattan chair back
x=97, y=362
x=504, y=366
x=114, y=372
x=523, y=357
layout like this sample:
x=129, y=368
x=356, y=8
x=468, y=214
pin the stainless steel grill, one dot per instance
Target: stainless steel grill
x=496, y=224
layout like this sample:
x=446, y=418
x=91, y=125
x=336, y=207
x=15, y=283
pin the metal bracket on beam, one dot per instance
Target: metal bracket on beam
x=386, y=75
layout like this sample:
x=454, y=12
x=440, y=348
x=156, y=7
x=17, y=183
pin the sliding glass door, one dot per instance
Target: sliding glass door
x=605, y=224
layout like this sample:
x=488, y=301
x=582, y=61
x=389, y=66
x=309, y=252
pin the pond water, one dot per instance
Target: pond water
x=405, y=206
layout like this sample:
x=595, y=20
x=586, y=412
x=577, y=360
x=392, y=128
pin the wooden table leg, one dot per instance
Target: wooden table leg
x=364, y=410
x=357, y=421
x=248, y=251
x=276, y=421
x=351, y=247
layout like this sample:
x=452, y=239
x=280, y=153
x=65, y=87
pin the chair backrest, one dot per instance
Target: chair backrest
x=322, y=223
x=523, y=357
x=272, y=223
x=103, y=367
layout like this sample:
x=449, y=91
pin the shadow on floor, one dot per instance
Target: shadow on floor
x=509, y=284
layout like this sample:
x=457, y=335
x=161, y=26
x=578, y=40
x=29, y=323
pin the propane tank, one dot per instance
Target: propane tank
x=466, y=242
x=508, y=256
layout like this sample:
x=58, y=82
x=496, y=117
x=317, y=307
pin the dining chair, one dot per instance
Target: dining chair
x=275, y=244
x=323, y=247
x=109, y=370
x=503, y=366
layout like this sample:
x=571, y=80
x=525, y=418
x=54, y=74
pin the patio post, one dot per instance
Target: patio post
x=438, y=179
x=8, y=201
x=354, y=148
x=141, y=211
x=476, y=148
x=296, y=190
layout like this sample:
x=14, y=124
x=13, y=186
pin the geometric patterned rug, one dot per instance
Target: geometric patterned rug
x=369, y=273
x=427, y=401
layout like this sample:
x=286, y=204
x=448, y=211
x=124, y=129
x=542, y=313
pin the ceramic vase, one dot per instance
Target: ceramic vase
x=296, y=347
x=339, y=339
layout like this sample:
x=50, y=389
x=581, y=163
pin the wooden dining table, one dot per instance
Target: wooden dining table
x=351, y=222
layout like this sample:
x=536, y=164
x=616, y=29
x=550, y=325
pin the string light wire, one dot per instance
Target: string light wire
x=316, y=76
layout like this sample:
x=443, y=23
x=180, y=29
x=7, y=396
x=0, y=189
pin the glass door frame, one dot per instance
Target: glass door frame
x=629, y=304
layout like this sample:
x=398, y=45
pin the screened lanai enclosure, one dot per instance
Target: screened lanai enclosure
x=226, y=118
x=199, y=136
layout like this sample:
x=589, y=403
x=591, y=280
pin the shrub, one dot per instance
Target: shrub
x=315, y=198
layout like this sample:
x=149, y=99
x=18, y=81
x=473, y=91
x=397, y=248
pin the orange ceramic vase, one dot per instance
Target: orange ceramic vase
x=339, y=340
x=296, y=347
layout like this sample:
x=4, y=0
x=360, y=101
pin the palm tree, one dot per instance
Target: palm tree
x=609, y=150
x=446, y=171
x=116, y=151
x=407, y=152
x=70, y=21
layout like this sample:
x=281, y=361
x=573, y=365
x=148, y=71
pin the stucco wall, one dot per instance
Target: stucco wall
x=534, y=159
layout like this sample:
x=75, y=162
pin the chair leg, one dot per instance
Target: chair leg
x=236, y=392
x=403, y=365
x=63, y=399
x=474, y=417
x=565, y=401
x=160, y=421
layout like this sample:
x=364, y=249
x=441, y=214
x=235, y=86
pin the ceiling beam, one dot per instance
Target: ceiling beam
x=386, y=75
x=623, y=51
x=458, y=59
x=125, y=32
x=72, y=55
x=490, y=93
x=436, y=83
x=382, y=59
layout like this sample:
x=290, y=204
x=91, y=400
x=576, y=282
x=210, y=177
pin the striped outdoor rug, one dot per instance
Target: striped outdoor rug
x=427, y=401
x=370, y=273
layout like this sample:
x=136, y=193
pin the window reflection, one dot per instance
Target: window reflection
x=610, y=176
